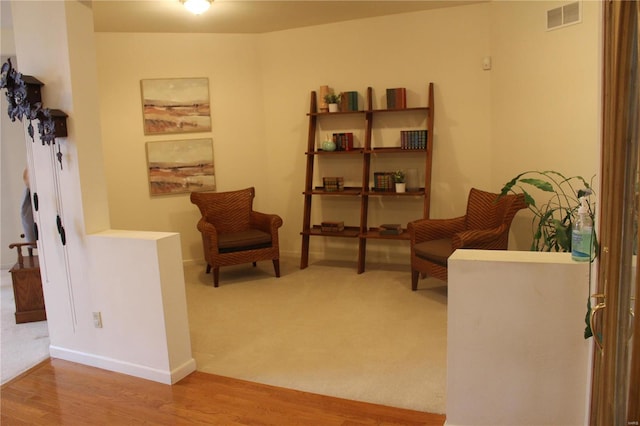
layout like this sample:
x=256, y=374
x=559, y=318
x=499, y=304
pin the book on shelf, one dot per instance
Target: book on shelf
x=332, y=226
x=383, y=182
x=389, y=232
x=349, y=101
x=333, y=184
x=390, y=229
x=353, y=101
x=343, y=141
x=413, y=139
x=397, y=98
x=401, y=98
x=395, y=226
x=391, y=99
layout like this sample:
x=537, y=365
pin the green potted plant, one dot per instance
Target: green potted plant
x=332, y=99
x=399, y=179
x=553, y=220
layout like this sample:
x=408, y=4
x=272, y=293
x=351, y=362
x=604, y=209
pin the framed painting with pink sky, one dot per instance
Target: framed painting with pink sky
x=175, y=105
x=180, y=166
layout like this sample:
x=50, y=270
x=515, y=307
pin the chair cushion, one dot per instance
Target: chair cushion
x=437, y=251
x=243, y=240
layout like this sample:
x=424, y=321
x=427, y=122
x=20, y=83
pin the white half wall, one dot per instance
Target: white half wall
x=516, y=353
x=145, y=331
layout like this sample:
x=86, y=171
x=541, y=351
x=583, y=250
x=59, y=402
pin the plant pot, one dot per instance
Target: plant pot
x=333, y=107
x=401, y=187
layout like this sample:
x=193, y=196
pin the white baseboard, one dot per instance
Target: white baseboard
x=183, y=370
x=168, y=377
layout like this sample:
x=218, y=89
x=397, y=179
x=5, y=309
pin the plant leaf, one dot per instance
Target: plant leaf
x=507, y=186
x=563, y=235
x=587, y=319
x=538, y=183
x=528, y=198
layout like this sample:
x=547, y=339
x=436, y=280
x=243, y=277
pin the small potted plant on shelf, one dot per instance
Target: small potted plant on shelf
x=332, y=99
x=399, y=179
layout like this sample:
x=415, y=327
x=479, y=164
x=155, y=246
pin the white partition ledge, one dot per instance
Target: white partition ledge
x=516, y=353
x=136, y=282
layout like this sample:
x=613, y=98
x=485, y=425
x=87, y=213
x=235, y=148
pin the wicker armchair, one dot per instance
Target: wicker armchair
x=485, y=226
x=232, y=233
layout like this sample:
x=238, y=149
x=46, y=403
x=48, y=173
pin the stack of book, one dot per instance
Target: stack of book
x=390, y=229
x=343, y=141
x=332, y=226
x=349, y=101
x=332, y=184
x=383, y=182
x=397, y=98
x=413, y=139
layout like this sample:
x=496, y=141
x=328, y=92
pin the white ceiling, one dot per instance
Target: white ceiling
x=245, y=16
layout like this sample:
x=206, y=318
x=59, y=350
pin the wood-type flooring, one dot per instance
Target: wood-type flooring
x=58, y=392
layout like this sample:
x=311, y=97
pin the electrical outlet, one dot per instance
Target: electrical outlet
x=486, y=63
x=97, y=320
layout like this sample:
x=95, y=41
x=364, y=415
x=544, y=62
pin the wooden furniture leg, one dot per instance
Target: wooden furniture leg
x=276, y=267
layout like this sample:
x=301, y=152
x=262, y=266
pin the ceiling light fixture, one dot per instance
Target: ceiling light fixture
x=197, y=6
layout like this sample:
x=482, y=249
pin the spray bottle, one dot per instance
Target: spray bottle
x=582, y=234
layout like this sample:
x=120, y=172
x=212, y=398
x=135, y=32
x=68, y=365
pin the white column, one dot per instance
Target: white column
x=133, y=279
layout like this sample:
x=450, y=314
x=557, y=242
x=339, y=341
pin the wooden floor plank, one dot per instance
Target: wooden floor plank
x=58, y=392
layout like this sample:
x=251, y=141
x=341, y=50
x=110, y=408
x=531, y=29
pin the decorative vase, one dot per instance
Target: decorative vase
x=401, y=187
x=322, y=105
x=328, y=145
x=333, y=107
x=412, y=180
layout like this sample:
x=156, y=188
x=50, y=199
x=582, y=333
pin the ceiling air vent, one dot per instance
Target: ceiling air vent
x=562, y=16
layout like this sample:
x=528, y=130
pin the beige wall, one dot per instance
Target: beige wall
x=260, y=85
x=443, y=46
x=232, y=66
x=545, y=95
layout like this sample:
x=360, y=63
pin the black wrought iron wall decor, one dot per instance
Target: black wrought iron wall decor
x=24, y=99
x=23, y=92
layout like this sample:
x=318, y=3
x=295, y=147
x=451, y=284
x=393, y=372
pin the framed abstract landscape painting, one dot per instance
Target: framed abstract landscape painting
x=175, y=105
x=180, y=166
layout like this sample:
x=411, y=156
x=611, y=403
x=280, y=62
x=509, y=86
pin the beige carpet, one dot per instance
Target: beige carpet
x=324, y=329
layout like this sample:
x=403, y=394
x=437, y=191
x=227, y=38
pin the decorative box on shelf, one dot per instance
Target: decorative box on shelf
x=332, y=226
x=333, y=184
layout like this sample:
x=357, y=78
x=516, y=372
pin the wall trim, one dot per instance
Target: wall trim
x=168, y=377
